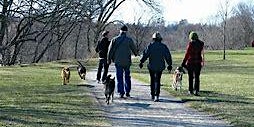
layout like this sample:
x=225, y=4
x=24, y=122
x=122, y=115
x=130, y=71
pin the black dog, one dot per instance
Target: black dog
x=81, y=71
x=109, y=88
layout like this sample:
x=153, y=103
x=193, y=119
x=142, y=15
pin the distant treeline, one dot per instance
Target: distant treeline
x=39, y=31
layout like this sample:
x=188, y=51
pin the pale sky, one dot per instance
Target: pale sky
x=195, y=11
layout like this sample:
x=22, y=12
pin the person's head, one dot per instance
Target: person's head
x=124, y=28
x=193, y=35
x=105, y=33
x=157, y=37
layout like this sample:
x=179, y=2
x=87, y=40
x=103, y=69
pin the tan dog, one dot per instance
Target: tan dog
x=65, y=75
x=177, y=78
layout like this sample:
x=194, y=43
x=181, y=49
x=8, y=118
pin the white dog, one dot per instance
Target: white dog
x=177, y=78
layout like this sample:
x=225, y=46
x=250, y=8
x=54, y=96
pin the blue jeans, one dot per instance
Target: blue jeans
x=122, y=87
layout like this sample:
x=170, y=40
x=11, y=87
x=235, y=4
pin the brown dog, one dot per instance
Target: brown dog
x=177, y=78
x=65, y=75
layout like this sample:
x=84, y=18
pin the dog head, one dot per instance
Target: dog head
x=180, y=69
x=109, y=80
x=82, y=72
x=66, y=69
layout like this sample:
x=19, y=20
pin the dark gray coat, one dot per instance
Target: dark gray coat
x=120, y=50
x=157, y=53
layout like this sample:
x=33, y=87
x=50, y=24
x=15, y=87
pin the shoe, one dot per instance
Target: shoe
x=98, y=81
x=190, y=93
x=121, y=95
x=156, y=99
x=128, y=95
x=196, y=93
x=152, y=97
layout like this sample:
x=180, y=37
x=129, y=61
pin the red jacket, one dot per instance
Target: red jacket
x=194, y=51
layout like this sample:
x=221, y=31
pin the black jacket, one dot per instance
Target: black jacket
x=102, y=47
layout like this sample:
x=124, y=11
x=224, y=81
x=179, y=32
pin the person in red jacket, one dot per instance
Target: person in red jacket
x=193, y=62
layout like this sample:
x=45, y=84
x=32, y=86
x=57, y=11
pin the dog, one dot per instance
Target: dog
x=65, y=73
x=81, y=71
x=177, y=78
x=109, y=86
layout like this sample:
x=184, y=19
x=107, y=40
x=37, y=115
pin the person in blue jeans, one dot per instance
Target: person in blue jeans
x=121, y=48
x=102, y=49
x=158, y=53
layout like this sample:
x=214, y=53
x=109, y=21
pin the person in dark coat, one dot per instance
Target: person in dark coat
x=121, y=48
x=157, y=53
x=102, y=49
x=193, y=62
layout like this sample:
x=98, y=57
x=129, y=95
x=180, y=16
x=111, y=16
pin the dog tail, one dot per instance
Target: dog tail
x=80, y=64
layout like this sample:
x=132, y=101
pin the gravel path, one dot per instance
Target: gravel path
x=140, y=110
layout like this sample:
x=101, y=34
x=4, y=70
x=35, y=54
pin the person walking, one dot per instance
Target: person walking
x=193, y=61
x=158, y=53
x=120, y=51
x=102, y=49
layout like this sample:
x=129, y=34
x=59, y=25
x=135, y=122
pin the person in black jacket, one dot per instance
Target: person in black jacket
x=102, y=49
x=158, y=53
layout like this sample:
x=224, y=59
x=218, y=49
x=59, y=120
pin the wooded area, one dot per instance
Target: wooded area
x=47, y=30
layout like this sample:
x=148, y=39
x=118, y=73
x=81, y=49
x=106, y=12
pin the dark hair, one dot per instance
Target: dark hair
x=157, y=39
x=104, y=33
x=124, y=28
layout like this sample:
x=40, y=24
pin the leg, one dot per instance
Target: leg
x=152, y=80
x=157, y=84
x=127, y=78
x=99, y=69
x=197, y=79
x=105, y=66
x=119, y=78
x=190, y=74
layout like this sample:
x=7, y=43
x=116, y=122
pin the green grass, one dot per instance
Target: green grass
x=226, y=85
x=33, y=95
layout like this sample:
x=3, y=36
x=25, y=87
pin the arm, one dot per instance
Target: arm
x=111, y=51
x=133, y=48
x=146, y=54
x=203, y=57
x=187, y=54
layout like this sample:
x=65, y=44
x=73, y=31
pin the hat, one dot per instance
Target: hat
x=157, y=35
x=124, y=28
x=193, y=35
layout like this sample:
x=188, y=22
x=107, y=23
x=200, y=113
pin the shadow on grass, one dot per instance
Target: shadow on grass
x=214, y=97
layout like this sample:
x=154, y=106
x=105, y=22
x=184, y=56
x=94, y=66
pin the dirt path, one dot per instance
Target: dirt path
x=140, y=110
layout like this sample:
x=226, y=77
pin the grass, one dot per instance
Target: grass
x=33, y=95
x=226, y=85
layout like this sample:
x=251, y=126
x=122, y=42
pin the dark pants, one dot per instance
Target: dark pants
x=155, y=82
x=123, y=87
x=194, y=73
x=102, y=64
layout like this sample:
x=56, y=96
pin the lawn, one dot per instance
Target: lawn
x=226, y=85
x=33, y=95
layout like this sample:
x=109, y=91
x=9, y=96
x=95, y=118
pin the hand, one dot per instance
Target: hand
x=183, y=64
x=109, y=62
x=169, y=68
x=140, y=65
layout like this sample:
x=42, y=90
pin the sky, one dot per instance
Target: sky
x=195, y=11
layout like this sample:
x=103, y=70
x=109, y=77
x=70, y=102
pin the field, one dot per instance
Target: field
x=32, y=95
x=226, y=85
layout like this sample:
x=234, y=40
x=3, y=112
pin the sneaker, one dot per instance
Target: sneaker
x=121, y=95
x=156, y=99
x=128, y=95
x=152, y=97
x=196, y=93
x=98, y=81
x=190, y=93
